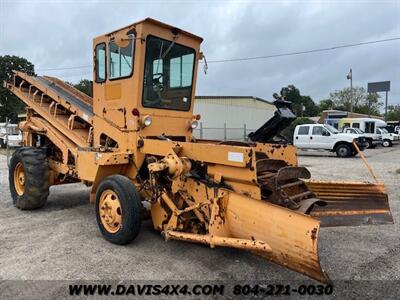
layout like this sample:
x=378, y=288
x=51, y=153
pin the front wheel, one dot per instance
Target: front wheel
x=343, y=150
x=387, y=143
x=118, y=210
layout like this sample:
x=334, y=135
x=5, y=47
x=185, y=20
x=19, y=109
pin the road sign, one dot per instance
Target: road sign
x=380, y=86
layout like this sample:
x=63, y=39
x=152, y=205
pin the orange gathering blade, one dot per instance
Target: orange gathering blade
x=351, y=203
x=292, y=236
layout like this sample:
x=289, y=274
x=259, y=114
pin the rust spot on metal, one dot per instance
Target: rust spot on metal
x=314, y=233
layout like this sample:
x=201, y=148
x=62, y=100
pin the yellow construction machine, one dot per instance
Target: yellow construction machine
x=133, y=144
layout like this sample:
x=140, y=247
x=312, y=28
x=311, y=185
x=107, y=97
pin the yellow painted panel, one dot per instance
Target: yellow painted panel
x=113, y=91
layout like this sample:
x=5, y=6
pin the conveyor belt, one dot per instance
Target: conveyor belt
x=86, y=108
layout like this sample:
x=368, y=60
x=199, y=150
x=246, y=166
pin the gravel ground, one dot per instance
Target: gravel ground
x=62, y=242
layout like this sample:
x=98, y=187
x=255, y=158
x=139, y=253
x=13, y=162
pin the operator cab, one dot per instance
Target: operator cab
x=144, y=79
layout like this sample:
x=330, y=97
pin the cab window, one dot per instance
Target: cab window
x=121, y=59
x=168, y=75
x=319, y=130
x=303, y=130
x=100, y=62
x=356, y=125
x=369, y=127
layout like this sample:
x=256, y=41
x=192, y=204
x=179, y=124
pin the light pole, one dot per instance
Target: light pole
x=350, y=77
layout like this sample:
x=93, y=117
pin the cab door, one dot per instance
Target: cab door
x=320, y=138
x=302, y=136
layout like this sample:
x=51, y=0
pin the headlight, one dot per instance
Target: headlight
x=194, y=124
x=147, y=121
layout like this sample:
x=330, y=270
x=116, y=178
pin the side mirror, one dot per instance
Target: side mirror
x=325, y=133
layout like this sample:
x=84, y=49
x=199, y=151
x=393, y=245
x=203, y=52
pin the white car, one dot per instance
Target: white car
x=326, y=137
x=10, y=135
x=388, y=139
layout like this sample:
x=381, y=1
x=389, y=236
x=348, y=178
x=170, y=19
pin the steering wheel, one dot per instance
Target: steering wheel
x=158, y=82
x=157, y=88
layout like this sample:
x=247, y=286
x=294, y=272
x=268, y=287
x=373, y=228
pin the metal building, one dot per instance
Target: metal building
x=231, y=117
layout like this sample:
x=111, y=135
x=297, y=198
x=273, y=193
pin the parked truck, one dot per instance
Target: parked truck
x=10, y=135
x=133, y=144
x=326, y=137
x=369, y=126
x=388, y=139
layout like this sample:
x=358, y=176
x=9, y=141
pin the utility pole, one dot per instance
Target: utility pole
x=386, y=104
x=350, y=77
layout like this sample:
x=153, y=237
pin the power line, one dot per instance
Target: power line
x=303, y=52
x=258, y=57
x=64, y=68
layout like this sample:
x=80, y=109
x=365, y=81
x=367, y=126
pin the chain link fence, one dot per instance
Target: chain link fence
x=224, y=133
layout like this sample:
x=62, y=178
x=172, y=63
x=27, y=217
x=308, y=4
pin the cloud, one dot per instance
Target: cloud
x=55, y=34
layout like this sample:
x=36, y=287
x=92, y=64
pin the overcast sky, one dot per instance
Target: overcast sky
x=54, y=34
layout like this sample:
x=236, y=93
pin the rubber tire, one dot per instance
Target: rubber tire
x=343, y=146
x=389, y=143
x=34, y=162
x=353, y=153
x=370, y=144
x=2, y=144
x=131, y=207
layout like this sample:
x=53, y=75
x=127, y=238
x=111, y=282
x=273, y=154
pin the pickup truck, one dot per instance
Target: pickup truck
x=326, y=137
x=10, y=135
x=387, y=139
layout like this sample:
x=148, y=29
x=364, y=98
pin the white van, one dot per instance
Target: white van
x=369, y=126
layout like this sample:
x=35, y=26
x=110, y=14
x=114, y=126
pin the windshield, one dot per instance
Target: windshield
x=168, y=75
x=331, y=129
x=359, y=130
x=354, y=130
x=383, y=130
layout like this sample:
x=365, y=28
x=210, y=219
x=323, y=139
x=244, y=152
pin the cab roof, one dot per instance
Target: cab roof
x=158, y=23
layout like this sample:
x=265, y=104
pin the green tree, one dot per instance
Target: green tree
x=10, y=105
x=393, y=113
x=363, y=102
x=325, y=104
x=292, y=94
x=85, y=86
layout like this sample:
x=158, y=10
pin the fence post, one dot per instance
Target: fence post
x=244, y=132
x=224, y=131
x=201, y=130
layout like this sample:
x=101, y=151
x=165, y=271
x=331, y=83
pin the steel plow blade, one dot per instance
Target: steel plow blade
x=292, y=236
x=351, y=203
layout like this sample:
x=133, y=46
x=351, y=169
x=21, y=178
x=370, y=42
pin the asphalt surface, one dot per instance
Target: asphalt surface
x=62, y=241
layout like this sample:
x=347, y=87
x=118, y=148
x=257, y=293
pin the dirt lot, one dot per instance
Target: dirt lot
x=62, y=241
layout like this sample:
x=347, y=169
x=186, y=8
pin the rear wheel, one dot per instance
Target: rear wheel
x=118, y=210
x=387, y=143
x=29, y=178
x=343, y=150
x=370, y=145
